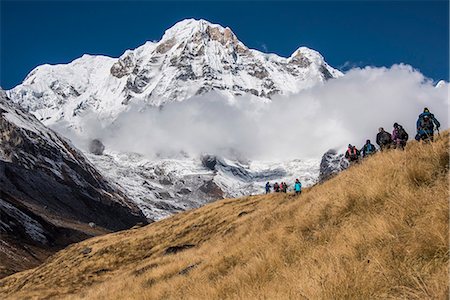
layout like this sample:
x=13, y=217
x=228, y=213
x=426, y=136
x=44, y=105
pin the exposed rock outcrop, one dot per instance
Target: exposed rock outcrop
x=331, y=164
x=96, y=147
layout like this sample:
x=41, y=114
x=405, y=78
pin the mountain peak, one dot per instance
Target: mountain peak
x=192, y=58
x=198, y=30
x=188, y=27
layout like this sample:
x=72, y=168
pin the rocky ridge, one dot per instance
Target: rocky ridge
x=49, y=193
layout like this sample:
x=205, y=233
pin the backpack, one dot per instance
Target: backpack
x=385, y=138
x=353, y=154
x=401, y=133
x=426, y=124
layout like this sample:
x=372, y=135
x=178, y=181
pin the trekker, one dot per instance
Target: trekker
x=384, y=139
x=368, y=149
x=284, y=186
x=352, y=154
x=268, y=187
x=399, y=136
x=276, y=187
x=425, y=126
x=298, y=187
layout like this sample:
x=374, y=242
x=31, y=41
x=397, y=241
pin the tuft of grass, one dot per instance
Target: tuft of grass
x=377, y=230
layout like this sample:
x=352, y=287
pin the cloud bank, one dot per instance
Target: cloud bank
x=303, y=125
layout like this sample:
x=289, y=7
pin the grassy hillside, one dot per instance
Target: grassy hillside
x=377, y=230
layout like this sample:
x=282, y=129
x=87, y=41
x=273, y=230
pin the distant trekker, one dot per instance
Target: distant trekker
x=425, y=126
x=368, y=149
x=399, y=136
x=284, y=187
x=384, y=139
x=268, y=187
x=298, y=187
x=352, y=154
x=276, y=187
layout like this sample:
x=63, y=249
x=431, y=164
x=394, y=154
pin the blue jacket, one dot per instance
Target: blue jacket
x=298, y=186
x=426, y=130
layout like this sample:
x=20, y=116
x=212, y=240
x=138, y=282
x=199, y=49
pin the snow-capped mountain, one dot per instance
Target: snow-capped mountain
x=193, y=57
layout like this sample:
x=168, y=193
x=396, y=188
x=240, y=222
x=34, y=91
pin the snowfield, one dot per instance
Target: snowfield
x=163, y=187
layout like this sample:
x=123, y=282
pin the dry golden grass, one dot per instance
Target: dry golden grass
x=377, y=230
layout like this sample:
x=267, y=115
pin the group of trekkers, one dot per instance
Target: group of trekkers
x=426, y=124
x=282, y=187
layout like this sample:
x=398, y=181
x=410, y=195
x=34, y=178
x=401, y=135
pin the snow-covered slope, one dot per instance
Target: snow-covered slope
x=166, y=186
x=193, y=57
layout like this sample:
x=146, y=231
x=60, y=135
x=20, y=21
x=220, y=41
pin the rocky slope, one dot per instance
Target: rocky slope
x=50, y=195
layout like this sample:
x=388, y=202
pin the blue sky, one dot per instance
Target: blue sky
x=347, y=34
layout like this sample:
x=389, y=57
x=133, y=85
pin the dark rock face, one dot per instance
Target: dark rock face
x=49, y=192
x=332, y=163
x=209, y=161
x=96, y=147
x=326, y=74
x=212, y=189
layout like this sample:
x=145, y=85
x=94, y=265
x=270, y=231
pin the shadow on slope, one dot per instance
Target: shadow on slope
x=377, y=230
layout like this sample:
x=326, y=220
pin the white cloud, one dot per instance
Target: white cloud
x=345, y=110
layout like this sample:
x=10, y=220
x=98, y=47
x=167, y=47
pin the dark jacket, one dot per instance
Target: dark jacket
x=384, y=138
x=399, y=134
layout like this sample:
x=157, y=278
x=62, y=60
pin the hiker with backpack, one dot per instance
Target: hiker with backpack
x=384, y=139
x=268, y=187
x=352, y=154
x=276, y=187
x=298, y=187
x=399, y=136
x=284, y=187
x=368, y=149
x=425, y=126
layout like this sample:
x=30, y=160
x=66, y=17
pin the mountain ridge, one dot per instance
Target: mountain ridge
x=192, y=58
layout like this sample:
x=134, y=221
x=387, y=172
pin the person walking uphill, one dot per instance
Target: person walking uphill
x=368, y=149
x=399, y=136
x=352, y=154
x=298, y=187
x=268, y=188
x=425, y=126
x=384, y=139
